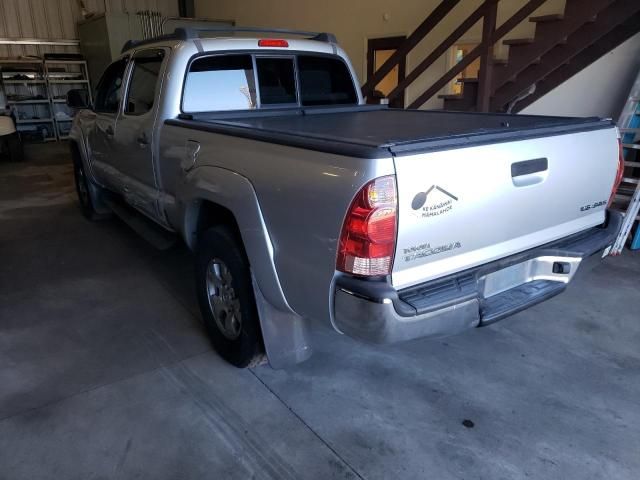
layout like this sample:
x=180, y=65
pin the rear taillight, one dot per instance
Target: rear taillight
x=368, y=238
x=619, y=173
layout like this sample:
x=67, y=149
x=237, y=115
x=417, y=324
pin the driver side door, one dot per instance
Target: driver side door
x=101, y=136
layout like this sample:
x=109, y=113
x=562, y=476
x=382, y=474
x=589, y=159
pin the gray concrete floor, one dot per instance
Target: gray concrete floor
x=105, y=372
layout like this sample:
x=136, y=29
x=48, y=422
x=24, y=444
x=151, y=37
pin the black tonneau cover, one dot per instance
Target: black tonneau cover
x=375, y=132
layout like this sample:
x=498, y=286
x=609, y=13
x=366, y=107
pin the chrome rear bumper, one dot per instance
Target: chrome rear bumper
x=375, y=312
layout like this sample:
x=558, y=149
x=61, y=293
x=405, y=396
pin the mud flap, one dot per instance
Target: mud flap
x=286, y=340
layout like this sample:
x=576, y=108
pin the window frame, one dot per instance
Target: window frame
x=269, y=54
x=131, y=65
x=126, y=59
x=294, y=59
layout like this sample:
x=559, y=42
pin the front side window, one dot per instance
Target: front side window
x=144, y=82
x=224, y=82
x=109, y=89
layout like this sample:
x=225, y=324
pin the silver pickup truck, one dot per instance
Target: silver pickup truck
x=302, y=204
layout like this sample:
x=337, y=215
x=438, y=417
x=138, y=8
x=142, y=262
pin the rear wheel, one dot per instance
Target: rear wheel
x=225, y=295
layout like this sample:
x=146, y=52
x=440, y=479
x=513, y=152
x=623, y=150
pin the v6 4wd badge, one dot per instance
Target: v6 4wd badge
x=434, y=202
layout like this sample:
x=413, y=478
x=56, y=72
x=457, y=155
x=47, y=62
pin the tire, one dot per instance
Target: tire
x=82, y=189
x=226, y=298
x=14, y=146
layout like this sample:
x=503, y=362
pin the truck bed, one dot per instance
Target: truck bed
x=375, y=131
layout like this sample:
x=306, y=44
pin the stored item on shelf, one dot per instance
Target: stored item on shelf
x=15, y=97
x=63, y=56
x=63, y=116
x=23, y=76
x=35, y=132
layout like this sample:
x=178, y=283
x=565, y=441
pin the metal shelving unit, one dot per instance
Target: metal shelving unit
x=36, y=91
x=25, y=88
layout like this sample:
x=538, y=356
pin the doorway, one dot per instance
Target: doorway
x=456, y=54
x=378, y=51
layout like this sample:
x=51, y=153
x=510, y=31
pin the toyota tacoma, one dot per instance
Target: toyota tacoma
x=302, y=204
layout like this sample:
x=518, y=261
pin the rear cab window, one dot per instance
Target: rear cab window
x=248, y=81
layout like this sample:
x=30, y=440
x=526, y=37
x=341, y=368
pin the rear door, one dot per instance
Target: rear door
x=468, y=206
x=101, y=137
x=134, y=140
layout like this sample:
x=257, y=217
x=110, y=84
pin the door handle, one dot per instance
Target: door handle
x=142, y=139
x=529, y=166
x=529, y=172
x=109, y=130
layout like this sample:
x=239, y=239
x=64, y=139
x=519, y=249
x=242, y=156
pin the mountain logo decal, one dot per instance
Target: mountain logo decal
x=420, y=199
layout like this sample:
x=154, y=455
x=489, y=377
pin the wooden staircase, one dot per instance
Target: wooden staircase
x=563, y=44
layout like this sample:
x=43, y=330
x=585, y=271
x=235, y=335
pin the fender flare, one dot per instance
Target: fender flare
x=284, y=332
x=234, y=192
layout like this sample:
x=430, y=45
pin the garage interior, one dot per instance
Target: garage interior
x=105, y=367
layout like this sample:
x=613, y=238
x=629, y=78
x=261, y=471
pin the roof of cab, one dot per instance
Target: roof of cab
x=188, y=33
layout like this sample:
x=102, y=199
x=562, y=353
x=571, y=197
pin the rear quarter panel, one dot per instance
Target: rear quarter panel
x=303, y=196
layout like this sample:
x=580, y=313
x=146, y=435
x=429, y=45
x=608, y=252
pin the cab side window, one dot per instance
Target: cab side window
x=220, y=82
x=109, y=91
x=144, y=82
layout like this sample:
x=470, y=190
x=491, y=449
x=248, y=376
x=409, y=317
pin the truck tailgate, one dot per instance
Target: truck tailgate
x=464, y=207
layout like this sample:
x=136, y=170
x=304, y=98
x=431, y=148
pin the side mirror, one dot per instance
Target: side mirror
x=78, y=98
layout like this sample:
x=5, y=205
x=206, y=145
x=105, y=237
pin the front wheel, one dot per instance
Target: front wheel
x=82, y=189
x=225, y=295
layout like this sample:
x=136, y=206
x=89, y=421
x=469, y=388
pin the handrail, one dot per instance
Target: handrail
x=439, y=50
x=491, y=34
x=412, y=40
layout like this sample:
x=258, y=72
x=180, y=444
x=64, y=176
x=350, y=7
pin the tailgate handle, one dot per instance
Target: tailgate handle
x=528, y=167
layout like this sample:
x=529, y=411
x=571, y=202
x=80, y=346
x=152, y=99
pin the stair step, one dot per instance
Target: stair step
x=533, y=62
x=518, y=41
x=462, y=102
x=556, y=17
x=544, y=30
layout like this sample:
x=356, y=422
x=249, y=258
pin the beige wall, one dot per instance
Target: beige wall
x=600, y=90
x=354, y=21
